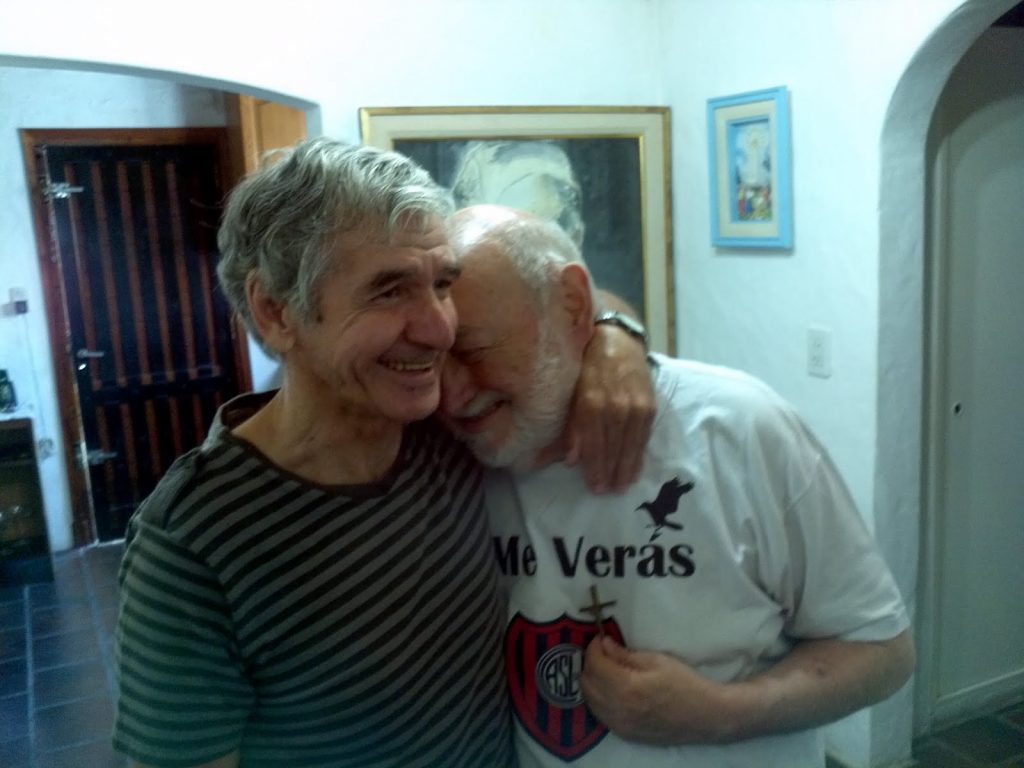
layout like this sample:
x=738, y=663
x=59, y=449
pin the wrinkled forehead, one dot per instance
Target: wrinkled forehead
x=370, y=258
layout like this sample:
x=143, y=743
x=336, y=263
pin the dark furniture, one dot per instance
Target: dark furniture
x=24, y=544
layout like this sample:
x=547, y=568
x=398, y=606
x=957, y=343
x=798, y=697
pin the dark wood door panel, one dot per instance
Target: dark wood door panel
x=150, y=333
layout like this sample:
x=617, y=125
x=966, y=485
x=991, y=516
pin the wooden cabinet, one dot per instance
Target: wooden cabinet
x=24, y=544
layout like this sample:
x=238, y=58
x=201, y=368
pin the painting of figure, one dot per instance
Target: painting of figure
x=589, y=186
x=751, y=143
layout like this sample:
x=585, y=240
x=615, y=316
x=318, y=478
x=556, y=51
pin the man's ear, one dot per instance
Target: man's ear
x=274, y=320
x=578, y=302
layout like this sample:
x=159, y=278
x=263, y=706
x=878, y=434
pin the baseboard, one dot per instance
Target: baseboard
x=831, y=761
x=978, y=700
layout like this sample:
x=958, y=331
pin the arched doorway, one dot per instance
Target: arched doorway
x=157, y=100
x=904, y=502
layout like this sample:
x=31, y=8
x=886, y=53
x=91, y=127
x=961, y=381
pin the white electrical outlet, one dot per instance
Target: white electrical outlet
x=819, y=352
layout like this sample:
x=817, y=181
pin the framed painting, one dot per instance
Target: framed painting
x=749, y=169
x=602, y=173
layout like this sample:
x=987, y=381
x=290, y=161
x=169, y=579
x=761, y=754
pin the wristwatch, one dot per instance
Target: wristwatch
x=630, y=325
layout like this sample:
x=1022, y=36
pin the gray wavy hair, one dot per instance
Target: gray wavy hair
x=282, y=219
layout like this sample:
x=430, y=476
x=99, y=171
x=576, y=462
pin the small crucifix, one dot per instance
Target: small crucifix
x=595, y=608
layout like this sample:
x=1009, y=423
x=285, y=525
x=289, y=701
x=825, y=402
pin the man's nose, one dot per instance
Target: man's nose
x=456, y=386
x=433, y=324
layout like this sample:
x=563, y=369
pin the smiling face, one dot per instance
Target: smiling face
x=385, y=320
x=509, y=379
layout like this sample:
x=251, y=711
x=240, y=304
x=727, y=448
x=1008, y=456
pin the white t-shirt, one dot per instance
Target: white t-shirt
x=739, y=539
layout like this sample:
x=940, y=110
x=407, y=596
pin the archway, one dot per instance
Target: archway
x=899, y=504
x=53, y=93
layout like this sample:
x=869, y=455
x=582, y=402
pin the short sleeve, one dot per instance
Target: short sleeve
x=184, y=697
x=842, y=586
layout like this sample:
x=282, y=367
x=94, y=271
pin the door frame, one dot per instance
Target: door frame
x=934, y=396
x=83, y=523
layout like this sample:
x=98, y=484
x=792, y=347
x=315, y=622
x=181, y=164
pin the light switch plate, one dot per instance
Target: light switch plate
x=819, y=352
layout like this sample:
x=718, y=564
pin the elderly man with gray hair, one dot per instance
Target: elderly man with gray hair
x=716, y=612
x=314, y=585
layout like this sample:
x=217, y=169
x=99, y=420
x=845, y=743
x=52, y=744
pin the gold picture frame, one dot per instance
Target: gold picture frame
x=601, y=172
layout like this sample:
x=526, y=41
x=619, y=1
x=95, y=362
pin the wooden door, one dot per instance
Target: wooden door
x=148, y=337
x=255, y=127
x=259, y=126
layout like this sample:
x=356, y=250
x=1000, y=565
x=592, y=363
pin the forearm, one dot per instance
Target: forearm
x=613, y=408
x=657, y=699
x=818, y=682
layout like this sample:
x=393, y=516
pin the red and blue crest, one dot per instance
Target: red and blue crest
x=543, y=662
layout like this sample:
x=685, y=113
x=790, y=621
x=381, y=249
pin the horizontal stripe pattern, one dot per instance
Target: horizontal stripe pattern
x=311, y=626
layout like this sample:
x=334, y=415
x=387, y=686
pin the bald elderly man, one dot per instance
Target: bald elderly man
x=722, y=608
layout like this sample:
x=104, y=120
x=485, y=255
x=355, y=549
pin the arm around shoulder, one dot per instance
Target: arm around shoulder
x=613, y=408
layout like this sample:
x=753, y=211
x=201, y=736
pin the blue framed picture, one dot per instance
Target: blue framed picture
x=750, y=170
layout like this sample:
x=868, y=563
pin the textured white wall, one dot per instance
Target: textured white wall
x=841, y=62
x=33, y=98
x=752, y=309
x=343, y=56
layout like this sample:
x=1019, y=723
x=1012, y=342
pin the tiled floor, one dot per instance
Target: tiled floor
x=997, y=740
x=57, y=688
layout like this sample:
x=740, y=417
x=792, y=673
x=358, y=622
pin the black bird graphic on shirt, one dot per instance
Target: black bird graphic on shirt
x=666, y=504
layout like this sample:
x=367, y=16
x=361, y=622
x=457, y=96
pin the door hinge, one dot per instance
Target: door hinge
x=98, y=456
x=59, y=190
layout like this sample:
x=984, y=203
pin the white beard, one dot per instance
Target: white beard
x=538, y=417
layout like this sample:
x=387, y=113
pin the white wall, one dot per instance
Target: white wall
x=33, y=98
x=403, y=53
x=343, y=56
x=751, y=308
x=841, y=59
x=841, y=62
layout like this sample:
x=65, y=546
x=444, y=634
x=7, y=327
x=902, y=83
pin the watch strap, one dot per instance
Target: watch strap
x=630, y=325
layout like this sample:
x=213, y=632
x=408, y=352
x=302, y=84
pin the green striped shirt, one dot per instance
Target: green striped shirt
x=312, y=626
